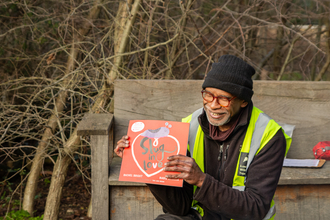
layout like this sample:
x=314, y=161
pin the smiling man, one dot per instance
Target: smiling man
x=234, y=157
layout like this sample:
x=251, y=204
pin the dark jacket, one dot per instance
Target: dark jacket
x=216, y=195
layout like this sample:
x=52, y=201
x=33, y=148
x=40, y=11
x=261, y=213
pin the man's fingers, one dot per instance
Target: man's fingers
x=177, y=169
x=178, y=157
x=176, y=176
x=121, y=145
x=123, y=142
x=123, y=139
x=178, y=162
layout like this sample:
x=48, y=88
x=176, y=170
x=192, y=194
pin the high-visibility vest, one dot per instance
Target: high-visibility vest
x=260, y=131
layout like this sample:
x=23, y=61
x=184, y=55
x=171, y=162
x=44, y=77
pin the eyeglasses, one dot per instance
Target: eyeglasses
x=222, y=100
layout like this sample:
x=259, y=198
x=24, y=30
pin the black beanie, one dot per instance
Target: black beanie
x=233, y=75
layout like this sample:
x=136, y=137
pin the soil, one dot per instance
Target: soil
x=75, y=199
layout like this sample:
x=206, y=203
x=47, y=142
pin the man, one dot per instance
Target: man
x=235, y=153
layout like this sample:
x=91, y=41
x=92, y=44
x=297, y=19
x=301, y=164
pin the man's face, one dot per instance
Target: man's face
x=221, y=116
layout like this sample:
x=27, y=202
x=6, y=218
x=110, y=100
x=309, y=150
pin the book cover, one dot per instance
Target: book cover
x=151, y=143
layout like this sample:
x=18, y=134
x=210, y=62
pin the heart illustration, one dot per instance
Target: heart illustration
x=151, y=148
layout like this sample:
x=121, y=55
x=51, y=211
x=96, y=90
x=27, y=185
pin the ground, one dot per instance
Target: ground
x=75, y=198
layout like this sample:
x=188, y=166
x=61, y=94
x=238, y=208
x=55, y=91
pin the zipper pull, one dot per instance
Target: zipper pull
x=226, y=152
x=220, y=152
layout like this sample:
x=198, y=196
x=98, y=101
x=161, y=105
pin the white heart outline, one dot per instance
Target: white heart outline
x=149, y=175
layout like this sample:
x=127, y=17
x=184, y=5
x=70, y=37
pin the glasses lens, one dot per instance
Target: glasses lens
x=207, y=96
x=223, y=101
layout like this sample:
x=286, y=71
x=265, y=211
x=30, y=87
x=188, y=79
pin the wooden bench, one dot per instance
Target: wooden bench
x=303, y=193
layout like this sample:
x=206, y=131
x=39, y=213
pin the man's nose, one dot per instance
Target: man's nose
x=215, y=104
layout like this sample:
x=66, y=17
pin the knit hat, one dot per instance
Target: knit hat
x=233, y=75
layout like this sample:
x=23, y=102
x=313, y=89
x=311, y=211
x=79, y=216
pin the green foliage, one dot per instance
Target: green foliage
x=13, y=7
x=10, y=8
x=293, y=76
x=4, y=198
x=42, y=40
x=2, y=51
x=20, y=215
x=37, y=196
x=7, y=199
x=46, y=181
x=16, y=202
x=23, y=172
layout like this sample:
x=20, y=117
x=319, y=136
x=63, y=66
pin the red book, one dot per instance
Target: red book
x=151, y=143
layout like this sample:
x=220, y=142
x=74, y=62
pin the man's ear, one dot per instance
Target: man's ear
x=244, y=104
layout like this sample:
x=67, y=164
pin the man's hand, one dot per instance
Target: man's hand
x=121, y=145
x=188, y=168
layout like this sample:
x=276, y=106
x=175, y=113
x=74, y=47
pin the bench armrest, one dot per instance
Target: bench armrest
x=100, y=129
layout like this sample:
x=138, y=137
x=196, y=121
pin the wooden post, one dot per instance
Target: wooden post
x=100, y=129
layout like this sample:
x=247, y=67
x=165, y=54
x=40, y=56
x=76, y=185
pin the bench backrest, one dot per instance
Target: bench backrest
x=304, y=104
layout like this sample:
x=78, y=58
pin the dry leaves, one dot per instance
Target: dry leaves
x=51, y=58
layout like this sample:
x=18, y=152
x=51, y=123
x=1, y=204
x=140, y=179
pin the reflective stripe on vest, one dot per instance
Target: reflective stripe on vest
x=260, y=127
x=194, y=124
x=255, y=139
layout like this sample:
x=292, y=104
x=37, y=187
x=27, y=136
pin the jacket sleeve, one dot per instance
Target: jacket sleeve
x=261, y=182
x=175, y=200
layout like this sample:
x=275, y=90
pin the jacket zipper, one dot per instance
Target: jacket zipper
x=220, y=159
x=226, y=152
x=221, y=150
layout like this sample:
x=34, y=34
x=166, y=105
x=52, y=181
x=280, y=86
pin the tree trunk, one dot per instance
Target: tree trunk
x=89, y=212
x=31, y=185
x=123, y=41
x=121, y=19
x=252, y=34
x=56, y=186
x=277, y=52
x=287, y=59
x=64, y=160
x=32, y=182
x=279, y=43
x=176, y=43
x=327, y=63
x=318, y=40
x=149, y=28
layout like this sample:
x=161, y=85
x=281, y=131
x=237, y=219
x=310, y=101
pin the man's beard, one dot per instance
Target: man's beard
x=222, y=122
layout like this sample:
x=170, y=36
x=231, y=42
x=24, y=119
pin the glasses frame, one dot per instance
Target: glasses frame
x=217, y=97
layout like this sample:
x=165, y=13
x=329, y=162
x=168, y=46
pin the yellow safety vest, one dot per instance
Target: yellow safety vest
x=260, y=131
